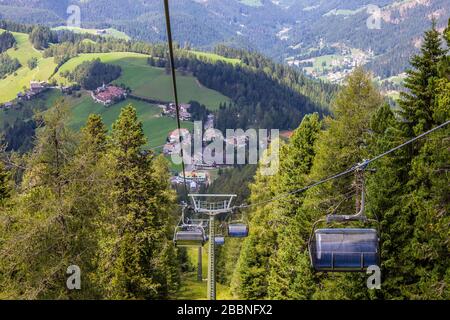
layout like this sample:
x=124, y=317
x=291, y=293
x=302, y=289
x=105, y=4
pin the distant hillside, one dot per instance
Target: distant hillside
x=243, y=89
x=285, y=29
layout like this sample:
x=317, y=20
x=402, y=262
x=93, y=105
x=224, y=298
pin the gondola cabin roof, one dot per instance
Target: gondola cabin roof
x=344, y=249
x=238, y=230
x=194, y=238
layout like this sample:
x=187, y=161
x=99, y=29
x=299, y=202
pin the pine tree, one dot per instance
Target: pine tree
x=132, y=266
x=38, y=244
x=88, y=197
x=343, y=144
x=249, y=280
x=428, y=202
x=290, y=274
x=417, y=103
x=409, y=191
x=4, y=187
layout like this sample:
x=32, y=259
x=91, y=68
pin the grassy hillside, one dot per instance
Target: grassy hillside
x=215, y=57
x=14, y=83
x=191, y=289
x=110, y=32
x=156, y=128
x=147, y=81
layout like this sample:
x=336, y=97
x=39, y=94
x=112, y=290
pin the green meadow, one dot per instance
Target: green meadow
x=156, y=127
x=110, y=32
x=14, y=83
x=191, y=289
x=147, y=81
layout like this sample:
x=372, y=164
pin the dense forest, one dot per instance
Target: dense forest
x=8, y=65
x=407, y=194
x=204, y=24
x=90, y=199
x=7, y=41
x=100, y=200
x=93, y=74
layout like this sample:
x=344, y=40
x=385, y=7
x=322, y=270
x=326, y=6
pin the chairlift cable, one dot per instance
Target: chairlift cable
x=358, y=166
x=175, y=91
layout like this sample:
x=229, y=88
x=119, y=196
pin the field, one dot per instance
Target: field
x=214, y=57
x=14, y=83
x=251, y=3
x=110, y=32
x=150, y=82
x=156, y=128
x=191, y=289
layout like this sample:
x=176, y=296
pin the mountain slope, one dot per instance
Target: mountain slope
x=285, y=29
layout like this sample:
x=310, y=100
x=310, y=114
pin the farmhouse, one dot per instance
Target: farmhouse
x=36, y=87
x=7, y=105
x=108, y=95
x=171, y=111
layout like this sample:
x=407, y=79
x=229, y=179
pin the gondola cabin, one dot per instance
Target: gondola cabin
x=219, y=241
x=190, y=238
x=350, y=250
x=237, y=230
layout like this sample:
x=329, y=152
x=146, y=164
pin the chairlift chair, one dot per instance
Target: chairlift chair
x=219, y=240
x=189, y=236
x=344, y=249
x=238, y=228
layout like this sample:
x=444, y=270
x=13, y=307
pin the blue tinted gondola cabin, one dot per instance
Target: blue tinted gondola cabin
x=219, y=241
x=237, y=230
x=190, y=238
x=351, y=250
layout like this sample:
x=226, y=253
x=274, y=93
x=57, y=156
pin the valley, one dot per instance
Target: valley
x=384, y=32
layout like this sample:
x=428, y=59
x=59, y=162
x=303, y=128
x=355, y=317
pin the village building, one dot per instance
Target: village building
x=171, y=111
x=7, y=105
x=109, y=95
x=198, y=177
x=36, y=88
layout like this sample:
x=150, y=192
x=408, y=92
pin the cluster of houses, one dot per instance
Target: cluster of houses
x=109, y=95
x=194, y=178
x=36, y=88
x=7, y=105
x=170, y=110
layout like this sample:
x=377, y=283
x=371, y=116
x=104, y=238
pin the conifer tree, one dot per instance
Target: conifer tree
x=250, y=280
x=343, y=144
x=290, y=275
x=417, y=103
x=4, y=187
x=131, y=262
x=409, y=191
x=38, y=244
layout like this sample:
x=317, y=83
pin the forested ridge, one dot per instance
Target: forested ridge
x=264, y=94
x=407, y=194
x=100, y=200
x=93, y=200
x=206, y=23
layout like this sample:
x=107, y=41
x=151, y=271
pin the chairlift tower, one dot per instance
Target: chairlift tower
x=212, y=209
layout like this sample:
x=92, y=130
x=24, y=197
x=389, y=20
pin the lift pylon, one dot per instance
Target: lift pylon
x=202, y=205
